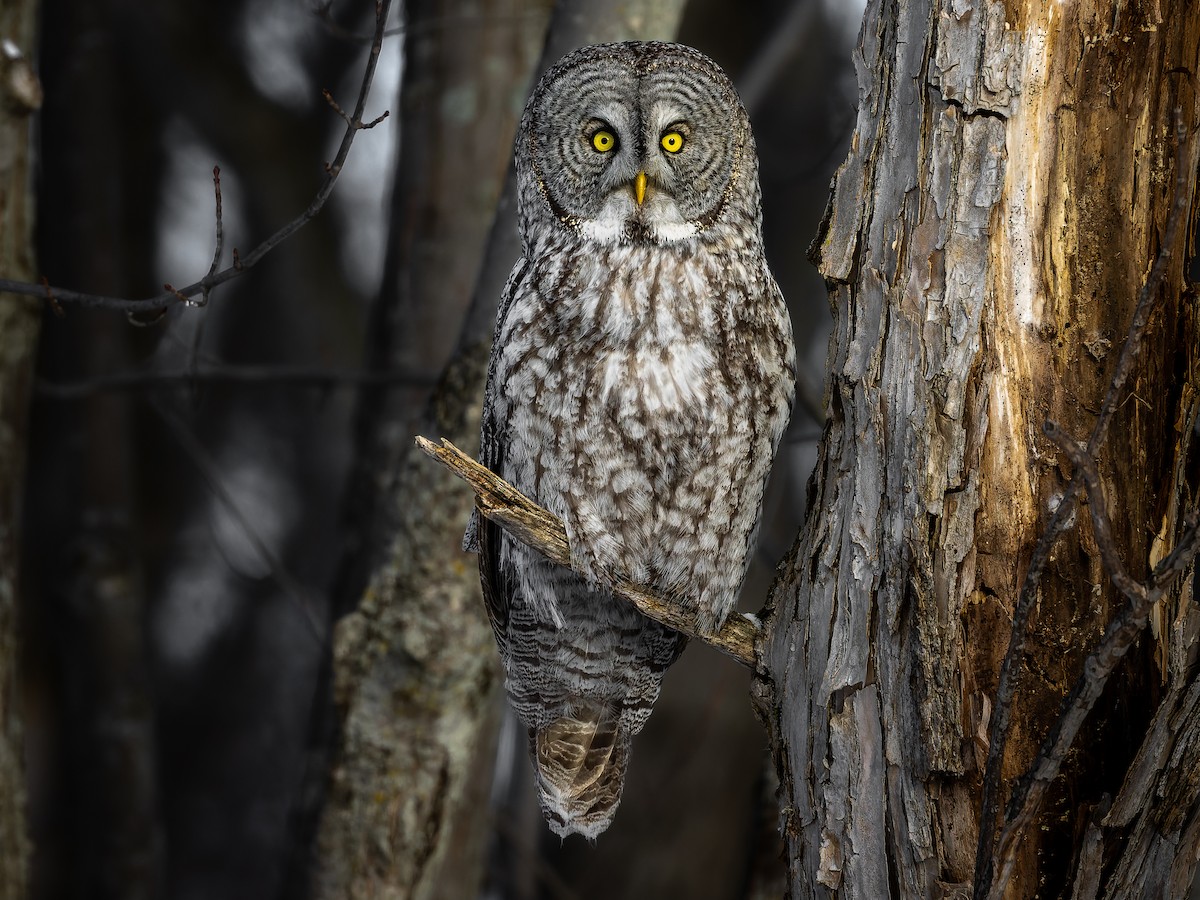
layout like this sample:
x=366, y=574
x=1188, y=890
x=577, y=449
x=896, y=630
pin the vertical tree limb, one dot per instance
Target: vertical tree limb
x=97, y=791
x=20, y=97
x=413, y=680
x=415, y=675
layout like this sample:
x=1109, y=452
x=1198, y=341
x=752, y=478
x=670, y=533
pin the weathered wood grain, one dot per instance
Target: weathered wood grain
x=1006, y=191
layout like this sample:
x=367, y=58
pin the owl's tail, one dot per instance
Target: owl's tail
x=580, y=762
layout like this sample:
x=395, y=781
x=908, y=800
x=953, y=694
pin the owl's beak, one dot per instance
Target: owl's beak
x=639, y=188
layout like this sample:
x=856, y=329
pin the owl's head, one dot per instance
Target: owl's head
x=638, y=142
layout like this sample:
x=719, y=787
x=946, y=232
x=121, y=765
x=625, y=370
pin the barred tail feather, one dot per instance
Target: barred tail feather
x=580, y=762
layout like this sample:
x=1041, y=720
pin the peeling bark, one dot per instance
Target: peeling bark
x=1006, y=191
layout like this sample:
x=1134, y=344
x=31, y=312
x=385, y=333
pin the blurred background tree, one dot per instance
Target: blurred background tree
x=190, y=542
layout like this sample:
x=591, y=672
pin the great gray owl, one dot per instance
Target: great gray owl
x=641, y=377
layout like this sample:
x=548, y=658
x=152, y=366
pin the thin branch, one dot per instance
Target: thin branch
x=529, y=523
x=1084, y=466
x=211, y=473
x=1145, y=303
x=362, y=126
x=1060, y=520
x=241, y=264
x=251, y=376
x=219, y=243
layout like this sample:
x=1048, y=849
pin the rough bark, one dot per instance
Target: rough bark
x=20, y=96
x=414, y=683
x=1007, y=188
x=415, y=673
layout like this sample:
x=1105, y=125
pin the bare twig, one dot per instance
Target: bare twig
x=251, y=376
x=219, y=243
x=1060, y=519
x=143, y=320
x=529, y=523
x=211, y=474
x=362, y=126
x=241, y=264
x=51, y=301
x=1084, y=466
x=1145, y=304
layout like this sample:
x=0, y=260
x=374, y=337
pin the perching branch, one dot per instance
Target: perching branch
x=529, y=523
x=1060, y=520
x=197, y=293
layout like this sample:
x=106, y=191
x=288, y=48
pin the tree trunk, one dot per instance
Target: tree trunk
x=1010, y=177
x=20, y=96
x=416, y=679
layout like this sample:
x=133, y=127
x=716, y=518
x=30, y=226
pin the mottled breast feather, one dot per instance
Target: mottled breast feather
x=640, y=380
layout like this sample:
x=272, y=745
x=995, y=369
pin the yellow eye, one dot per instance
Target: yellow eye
x=672, y=141
x=604, y=141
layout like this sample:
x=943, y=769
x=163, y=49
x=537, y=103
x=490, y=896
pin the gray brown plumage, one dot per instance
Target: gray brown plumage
x=640, y=380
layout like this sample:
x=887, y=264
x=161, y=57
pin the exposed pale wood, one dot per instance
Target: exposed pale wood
x=1119, y=636
x=985, y=245
x=525, y=520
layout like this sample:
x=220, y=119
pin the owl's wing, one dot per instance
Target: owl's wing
x=483, y=536
x=783, y=397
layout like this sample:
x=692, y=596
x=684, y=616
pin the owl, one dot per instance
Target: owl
x=641, y=377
